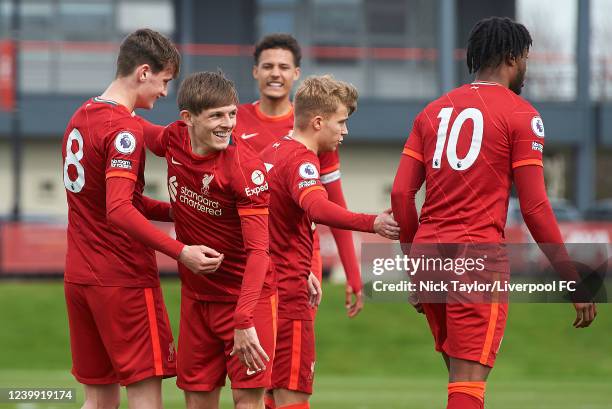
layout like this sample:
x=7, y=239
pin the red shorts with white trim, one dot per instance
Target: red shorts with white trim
x=118, y=334
x=468, y=331
x=294, y=361
x=206, y=339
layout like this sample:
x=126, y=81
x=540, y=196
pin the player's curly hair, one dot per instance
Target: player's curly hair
x=206, y=90
x=322, y=95
x=146, y=46
x=279, y=40
x=495, y=39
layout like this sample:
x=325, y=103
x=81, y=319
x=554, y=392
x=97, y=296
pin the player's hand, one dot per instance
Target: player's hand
x=200, y=259
x=314, y=291
x=585, y=314
x=386, y=226
x=413, y=299
x=353, y=301
x=249, y=350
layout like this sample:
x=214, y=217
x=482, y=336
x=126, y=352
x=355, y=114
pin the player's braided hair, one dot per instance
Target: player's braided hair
x=494, y=39
x=279, y=40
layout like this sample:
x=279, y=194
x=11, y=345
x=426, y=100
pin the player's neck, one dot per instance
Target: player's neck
x=274, y=107
x=305, y=139
x=198, y=148
x=119, y=91
x=493, y=76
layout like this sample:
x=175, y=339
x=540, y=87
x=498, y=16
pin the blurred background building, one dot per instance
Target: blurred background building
x=399, y=53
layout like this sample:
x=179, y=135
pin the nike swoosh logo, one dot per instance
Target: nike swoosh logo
x=174, y=162
x=245, y=136
x=249, y=372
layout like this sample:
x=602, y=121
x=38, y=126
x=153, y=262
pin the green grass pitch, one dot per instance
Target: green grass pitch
x=382, y=359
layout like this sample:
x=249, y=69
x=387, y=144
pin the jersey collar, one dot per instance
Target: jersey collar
x=269, y=118
x=485, y=83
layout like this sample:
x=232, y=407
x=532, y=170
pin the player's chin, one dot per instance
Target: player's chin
x=329, y=148
x=221, y=143
x=275, y=93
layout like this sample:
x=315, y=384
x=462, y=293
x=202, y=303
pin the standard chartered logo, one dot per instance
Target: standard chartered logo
x=172, y=188
x=195, y=200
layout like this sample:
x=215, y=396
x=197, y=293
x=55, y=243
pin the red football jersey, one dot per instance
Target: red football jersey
x=103, y=140
x=260, y=131
x=469, y=141
x=293, y=172
x=209, y=194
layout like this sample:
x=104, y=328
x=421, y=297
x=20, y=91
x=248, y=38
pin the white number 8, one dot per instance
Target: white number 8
x=451, y=150
x=74, y=158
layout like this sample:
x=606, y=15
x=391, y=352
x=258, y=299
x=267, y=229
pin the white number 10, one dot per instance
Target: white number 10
x=451, y=150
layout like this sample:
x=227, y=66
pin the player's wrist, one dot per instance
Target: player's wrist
x=356, y=287
x=182, y=252
x=242, y=322
x=243, y=326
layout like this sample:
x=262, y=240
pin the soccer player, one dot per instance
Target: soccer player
x=219, y=194
x=263, y=122
x=119, y=329
x=298, y=198
x=469, y=146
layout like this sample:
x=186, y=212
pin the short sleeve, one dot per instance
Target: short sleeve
x=414, y=144
x=303, y=176
x=330, y=166
x=124, y=150
x=250, y=184
x=526, y=138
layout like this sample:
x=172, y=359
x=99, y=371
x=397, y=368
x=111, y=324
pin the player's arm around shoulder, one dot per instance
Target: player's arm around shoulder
x=155, y=136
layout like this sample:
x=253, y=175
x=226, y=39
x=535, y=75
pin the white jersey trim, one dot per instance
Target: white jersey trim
x=330, y=177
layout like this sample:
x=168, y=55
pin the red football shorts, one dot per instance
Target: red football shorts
x=468, y=331
x=294, y=361
x=206, y=339
x=118, y=334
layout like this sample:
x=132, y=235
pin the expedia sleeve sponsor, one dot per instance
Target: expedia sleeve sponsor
x=255, y=190
x=121, y=164
x=261, y=185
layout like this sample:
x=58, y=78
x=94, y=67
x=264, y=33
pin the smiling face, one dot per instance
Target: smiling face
x=151, y=86
x=211, y=129
x=275, y=73
x=332, y=129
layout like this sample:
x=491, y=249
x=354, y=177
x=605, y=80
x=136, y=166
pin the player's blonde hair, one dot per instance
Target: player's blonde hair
x=322, y=95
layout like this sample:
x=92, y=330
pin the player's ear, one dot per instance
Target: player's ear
x=296, y=73
x=143, y=71
x=186, y=117
x=255, y=71
x=317, y=122
x=511, y=60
